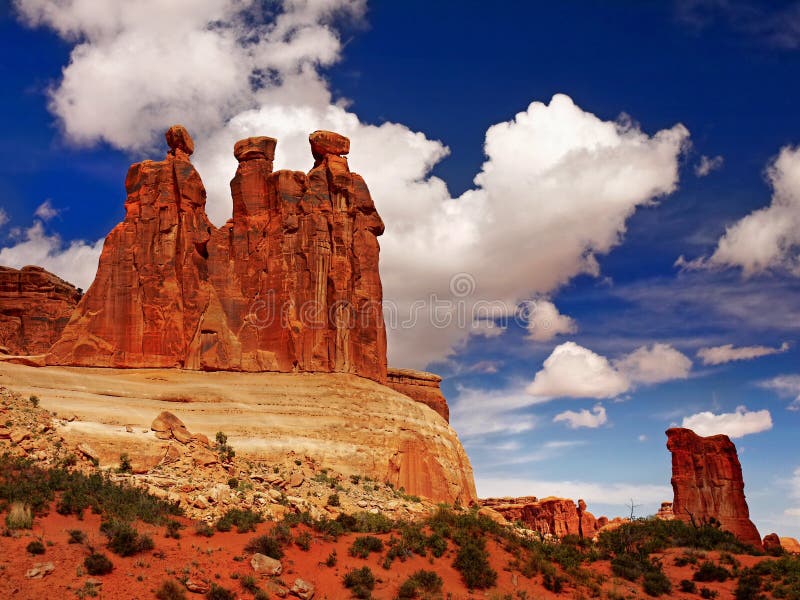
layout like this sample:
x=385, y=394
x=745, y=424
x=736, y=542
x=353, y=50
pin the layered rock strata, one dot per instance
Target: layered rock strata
x=708, y=484
x=35, y=305
x=550, y=516
x=420, y=386
x=290, y=283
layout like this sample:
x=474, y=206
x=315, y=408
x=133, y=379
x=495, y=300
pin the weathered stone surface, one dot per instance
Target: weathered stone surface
x=549, y=516
x=40, y=570
x=35, y=306
x=264, y=565
x=772, y=543
x=302, y=589
x=420, y=386
x=708, y=484
x=790, y=545
x=291, y=283
x=665, y=512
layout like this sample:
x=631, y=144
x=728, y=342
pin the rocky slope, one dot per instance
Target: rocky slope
x=34, y=308
x=348, y=424
x=707, y=482
x=552, y=517
x=289, y=284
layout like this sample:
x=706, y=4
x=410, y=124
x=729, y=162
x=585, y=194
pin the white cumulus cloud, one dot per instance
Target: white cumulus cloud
x=654, y=364
x=46, y=211
x=583, y=417
x=769, y=237
x=545, y=322
x=707, y=165
x=739, y=423
x=786, y=386
x=718, y=355
x=555, y=192
x=577, y=372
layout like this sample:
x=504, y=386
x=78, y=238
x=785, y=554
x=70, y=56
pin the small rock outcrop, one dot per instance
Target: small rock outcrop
x=420, y=386
x=35, y=306
x=550, y=516
x=708, y=484
x=665, y=512
x=290, y=283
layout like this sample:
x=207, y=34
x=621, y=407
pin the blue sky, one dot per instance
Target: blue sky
x=661, y=130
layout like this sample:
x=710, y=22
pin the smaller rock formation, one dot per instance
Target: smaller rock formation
x=708, y=484
x=169, y=427
x=35, y=306
x=772, y=544
x=665, y=512
x=550, y=516
x=420, y=386
x=790, y=545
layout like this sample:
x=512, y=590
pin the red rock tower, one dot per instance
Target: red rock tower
x=707, y=482
x=290, y=283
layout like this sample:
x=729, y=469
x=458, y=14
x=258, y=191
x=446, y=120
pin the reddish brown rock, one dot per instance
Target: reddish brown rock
x=550, y=516
x=665, y=512
x=35, y=306
x=291, y=283
x=790, y=545
x=707, y=482
x=420, y=386
x=772, y=544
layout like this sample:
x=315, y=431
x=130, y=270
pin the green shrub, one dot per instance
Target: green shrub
x=709, y=571
x=249, y=583
x=688, y=586
x=244, y=519
x=332, y=559
x=233, y=483
x=472, y=561
x=125, y=463
x=34, y=400
x=364, y=545
x=76, y=536
x=204, y=529
x=553, y=582
x=35, y=547
x=428, y=582
x=627, y=566
x=749, y=587
x=218, y=592
x=360, y=582
x=656, y=583
x=267, y=545
x=226, y=453
x=171, y=590
x=19, y=517
x=98, y=564
x=173, y=529
x=303, y=541
x=124, y=540
x=708, y=594
x=333, y=500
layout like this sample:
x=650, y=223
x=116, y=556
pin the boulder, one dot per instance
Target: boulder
x=35, y=306
x=264, y=565
x=302, y=589
x=708, y=484
x=40, y=570
x=772, y=544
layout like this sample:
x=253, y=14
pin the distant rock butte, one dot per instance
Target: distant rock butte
x=707, y=483
x=289, y=284
x=34, y=308
x=420, y=386
x=557, y=517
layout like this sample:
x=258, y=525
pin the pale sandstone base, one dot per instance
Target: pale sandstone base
x=348, y=423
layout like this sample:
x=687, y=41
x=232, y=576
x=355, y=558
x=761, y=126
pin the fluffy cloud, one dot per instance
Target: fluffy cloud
x=654, y=364
x=45, y=211
x=554, y=193
x=767, y=238
x=787, y=386
x=545, y=322
x=476, y=413
x=718, y=355
x=583, y=418
x=77, y=258
x=577, y=372
x=707, y=165
x=574, y=371
x=739, y=423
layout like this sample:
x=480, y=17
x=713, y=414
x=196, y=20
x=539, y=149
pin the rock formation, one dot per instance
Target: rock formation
x=34, y=307
x=665, y=512
x=420, y=386
x=290, y=283
x=552, y=516
x=707, y=482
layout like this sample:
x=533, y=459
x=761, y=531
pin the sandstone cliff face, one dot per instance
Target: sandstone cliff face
x=552, y=516
x=348, y=423
x=34, y=308
x=420, y=386
x=290, y=283
x=707, y=482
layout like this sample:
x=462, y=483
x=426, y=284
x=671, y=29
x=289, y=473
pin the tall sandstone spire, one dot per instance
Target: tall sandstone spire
x=708, y=484
x=290, y=283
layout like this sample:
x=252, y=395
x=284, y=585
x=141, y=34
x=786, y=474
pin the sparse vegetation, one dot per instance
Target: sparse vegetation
x=268, y=545
x=360, y=582
x=363, y=545
x=35, y=547
x=98, y=564
x=76, y=536
x=421, y=584
x=245, y=520
x=333, y=500
x=472, y=561
x=124, y=540
x=225, y=452
x=19, y=516
x=217, y=592
x=171, y=590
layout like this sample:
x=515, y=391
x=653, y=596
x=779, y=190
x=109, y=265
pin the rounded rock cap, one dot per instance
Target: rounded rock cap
x=179, y=139
x=255, y=147
x=328, y=142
